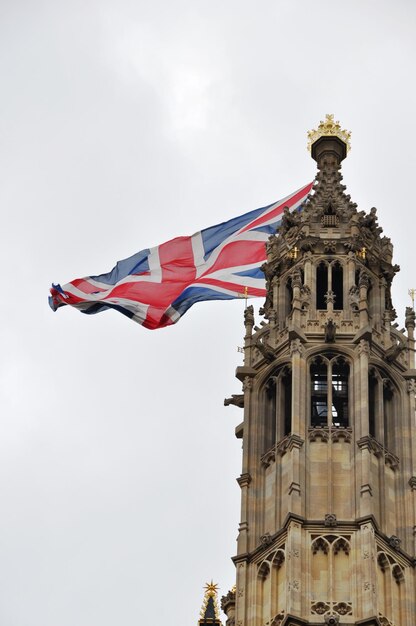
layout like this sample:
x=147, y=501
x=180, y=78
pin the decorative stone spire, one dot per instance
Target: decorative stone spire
x=210, y=611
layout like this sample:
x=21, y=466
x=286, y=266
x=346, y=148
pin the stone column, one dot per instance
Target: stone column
x=364, y=284
x=294, y=569
x=361, y=424
x=248, y=323
x=296, y=301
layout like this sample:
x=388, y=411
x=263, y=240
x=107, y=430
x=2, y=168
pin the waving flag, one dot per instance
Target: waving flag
x=156, y=286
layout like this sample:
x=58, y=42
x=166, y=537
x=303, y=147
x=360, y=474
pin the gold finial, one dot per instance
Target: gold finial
x=329, y=128
x=211, y=591
x=244, y=295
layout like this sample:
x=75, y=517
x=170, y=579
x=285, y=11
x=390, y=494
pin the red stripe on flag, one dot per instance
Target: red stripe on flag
x=289, y=202
x=238, y=254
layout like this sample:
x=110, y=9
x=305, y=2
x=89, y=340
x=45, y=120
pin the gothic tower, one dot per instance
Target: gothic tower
x=328, y=482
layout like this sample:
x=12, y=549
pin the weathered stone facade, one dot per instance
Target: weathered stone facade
x=328, y=484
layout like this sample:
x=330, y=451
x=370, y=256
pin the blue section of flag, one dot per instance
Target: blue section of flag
x=212, y=237
x=136, y=264
x=191, y=295
x=255, y=272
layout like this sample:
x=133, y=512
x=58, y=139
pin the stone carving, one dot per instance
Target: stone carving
x=384, y=621
x=410, y=317
x=269, y=457
x=378, y=450
x=295, y=585
x=364, y=280
x=341, y=544
x=264, y=348
x=330, y=520
x=249, y=315
x=244, y=479
x=320, y=544
x=331, y=620
x=330, y=330
x=277, y=620
x=394, y=351
x=342, y=608
x=319, y=608
x=228, y=599
x=294, y=552
x=329, y=297
x=296, y=347
x=354, y=298
x=316, y=434
x=363, y=347
x=236, y=399
x=305, y=297
x=394, y=542
x=411, y=386
x=266, y=540
x=281, y=447
x=248, y=383
x=341, y=433
x=330, y=246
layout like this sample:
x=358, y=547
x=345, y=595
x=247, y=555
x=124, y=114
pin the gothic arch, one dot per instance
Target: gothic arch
x=385, y=403
x=271, y=585
x=329, y=389
x=275, y=394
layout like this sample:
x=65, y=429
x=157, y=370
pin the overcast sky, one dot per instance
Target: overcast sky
x=124, y=124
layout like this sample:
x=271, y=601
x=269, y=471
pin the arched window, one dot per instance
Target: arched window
x=271, y=579
x=382, y=399
x=329, y=391
x=288, y=297
x=338, y=286
x=277, y=406
x=321, y=285
x=330, y=279
x=390, y=580
x=331, y=575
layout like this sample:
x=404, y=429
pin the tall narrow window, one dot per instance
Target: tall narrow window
x=270, y=414
x=340, y=373
x=277, y=405
x=289, y=297
x=382, y=399
x=321, y=285
x=372, y=399
x=388, y=410
x=319, y=396
x=338, y=286
x=287, y=401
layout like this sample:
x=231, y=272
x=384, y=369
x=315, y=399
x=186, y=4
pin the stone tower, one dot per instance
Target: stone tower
x=328, y=482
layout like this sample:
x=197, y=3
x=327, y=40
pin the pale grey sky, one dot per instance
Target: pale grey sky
x=124, y=124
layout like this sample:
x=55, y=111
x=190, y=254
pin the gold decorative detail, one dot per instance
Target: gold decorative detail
x=293, y=253
x=329, y=128
x=211, y=591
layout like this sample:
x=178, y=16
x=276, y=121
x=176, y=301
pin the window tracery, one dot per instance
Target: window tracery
x=329, y=391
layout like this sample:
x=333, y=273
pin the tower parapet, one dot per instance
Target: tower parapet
x=328, y=514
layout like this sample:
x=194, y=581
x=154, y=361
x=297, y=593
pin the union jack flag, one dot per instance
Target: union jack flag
x=156, y=286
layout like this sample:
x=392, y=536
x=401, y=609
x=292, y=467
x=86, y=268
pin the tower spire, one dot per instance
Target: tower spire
x=210, y=611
